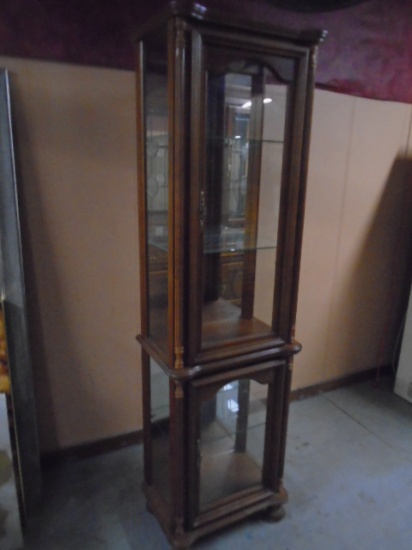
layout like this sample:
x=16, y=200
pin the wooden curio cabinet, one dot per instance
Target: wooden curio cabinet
x=224, y=113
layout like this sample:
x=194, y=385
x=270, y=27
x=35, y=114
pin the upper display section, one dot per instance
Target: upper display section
x=224, y=107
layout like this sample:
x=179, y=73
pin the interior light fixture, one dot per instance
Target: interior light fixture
x=248, y=104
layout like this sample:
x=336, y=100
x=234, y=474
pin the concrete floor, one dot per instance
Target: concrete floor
x=348, y=474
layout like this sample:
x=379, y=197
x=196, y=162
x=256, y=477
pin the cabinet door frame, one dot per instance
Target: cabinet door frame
x=205, y=43
x=270, y=491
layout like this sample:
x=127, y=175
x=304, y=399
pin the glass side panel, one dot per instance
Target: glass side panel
x=245, y=135
x=232, y=436
x=160, y=419
x=156, y=123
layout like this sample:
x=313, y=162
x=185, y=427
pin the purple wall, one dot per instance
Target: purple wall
x=368, y=51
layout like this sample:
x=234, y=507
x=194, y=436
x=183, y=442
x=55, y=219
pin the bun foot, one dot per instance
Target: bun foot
x=275, y=514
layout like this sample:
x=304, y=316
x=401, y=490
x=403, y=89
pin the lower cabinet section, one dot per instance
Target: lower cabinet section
x=214, y=447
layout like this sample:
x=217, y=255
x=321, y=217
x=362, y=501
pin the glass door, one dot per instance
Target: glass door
x=235, y=446
x=245, y=156
x=244, y=144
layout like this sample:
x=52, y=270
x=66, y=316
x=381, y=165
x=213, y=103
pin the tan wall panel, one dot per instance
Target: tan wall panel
x=331, y=131
x=372, y=211
x=75, y=132
x=356, y=194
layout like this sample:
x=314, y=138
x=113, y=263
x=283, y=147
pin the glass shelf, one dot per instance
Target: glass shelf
x=158, y=143
x=222, y=241
x=234, y=140
x=225, y=239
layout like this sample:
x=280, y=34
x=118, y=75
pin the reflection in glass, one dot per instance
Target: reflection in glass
x=160, y=420
x=156, y=124
x=232, y=437
x=245, y=134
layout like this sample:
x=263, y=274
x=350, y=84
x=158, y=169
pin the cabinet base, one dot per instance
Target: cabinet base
x=275, y=514
x=271, y=509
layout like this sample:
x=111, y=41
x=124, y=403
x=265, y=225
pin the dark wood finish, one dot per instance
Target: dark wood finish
x=227, y=370
x=147, y=440
x=141, y=159
x=196, y=195
x=275, y=430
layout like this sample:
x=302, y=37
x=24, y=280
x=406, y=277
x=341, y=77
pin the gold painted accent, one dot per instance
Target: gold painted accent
x=179, y=364
x=180, y=35
x=179, y=394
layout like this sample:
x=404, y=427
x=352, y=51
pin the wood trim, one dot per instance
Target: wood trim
x=196, y=188
x=336, y=383
x=51, y=459
x=177, y=76
x=141, y=186
x=290, y=213
x=309, y=86
x=146, y=402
